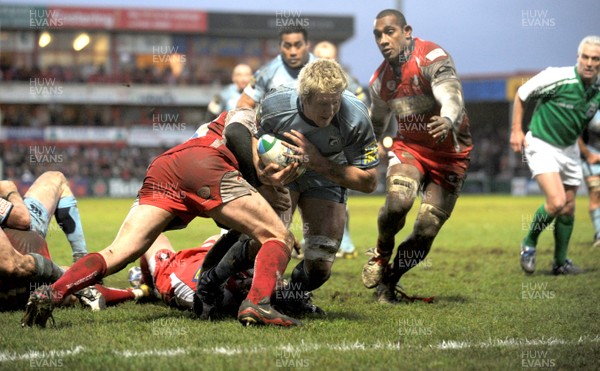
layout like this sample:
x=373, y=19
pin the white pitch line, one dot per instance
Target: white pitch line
x=303, y=347
x=39, y=354
x=162, y=353
x=511, y=342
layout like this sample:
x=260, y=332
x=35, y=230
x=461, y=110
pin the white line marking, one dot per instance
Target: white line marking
x=35, y=354
x=511, y=342
x=162, y=353
x=6, y=356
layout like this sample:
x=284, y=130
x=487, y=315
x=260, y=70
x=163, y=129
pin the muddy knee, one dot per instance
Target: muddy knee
x=401, y=193
x=429, y=221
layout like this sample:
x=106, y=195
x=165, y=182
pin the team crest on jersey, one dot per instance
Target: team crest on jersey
x=390, y=84
x=334, y=142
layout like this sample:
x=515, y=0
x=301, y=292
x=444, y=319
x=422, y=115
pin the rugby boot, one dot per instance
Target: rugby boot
x=209, y=296
x=373, y=270
x=39, y=308
x=263, y=314
x=91, y=298
x=567, y=268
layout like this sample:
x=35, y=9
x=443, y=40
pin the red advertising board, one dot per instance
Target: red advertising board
x=162, y=19
x=128, y=19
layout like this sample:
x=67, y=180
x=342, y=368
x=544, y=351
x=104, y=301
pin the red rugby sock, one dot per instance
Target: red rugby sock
x=270, y=264
x=115, y=296
x=85, y=272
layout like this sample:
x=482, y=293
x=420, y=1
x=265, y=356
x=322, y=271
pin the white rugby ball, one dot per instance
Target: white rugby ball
x=271, y=149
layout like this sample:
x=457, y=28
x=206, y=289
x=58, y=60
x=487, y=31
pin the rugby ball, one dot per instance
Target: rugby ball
x=272, y=150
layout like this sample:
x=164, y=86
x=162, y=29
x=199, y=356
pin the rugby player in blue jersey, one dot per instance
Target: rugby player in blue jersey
x=294, y=54
x=330, y=130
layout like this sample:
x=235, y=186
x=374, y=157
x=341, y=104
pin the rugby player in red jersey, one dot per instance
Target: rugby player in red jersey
x=200, y=177
x=175, y=275
x=418, y=84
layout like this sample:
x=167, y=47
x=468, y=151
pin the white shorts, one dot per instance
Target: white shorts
x=543, y=157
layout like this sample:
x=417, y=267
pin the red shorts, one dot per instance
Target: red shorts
x=27, y=241
x=191, y=179
x=447, y=169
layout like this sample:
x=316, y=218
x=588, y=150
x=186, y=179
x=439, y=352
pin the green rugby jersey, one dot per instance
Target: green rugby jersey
x=564, y=107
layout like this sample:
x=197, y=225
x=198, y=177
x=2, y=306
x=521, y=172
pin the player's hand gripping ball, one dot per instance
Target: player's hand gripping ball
x=271, y=149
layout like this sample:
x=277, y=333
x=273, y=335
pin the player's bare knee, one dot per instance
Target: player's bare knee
x=52, y=177
x=555, y=205
x=401, y=193
x=429, y=221
x=568, y=209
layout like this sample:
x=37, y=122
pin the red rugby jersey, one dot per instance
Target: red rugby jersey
x=410, y=98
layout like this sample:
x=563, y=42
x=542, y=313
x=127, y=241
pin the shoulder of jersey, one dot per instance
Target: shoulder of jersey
x=554, y=74
x=428, y=52
x=568, y=71
x=280, y=99
x=351, y=106
x=274, y=64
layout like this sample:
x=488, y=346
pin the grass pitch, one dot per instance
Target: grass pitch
x=487, y=314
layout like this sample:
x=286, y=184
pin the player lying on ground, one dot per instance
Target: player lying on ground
x=199, y=178
x=24, y=260
x=48, y=195
x=174, y=275
x=25, y=264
